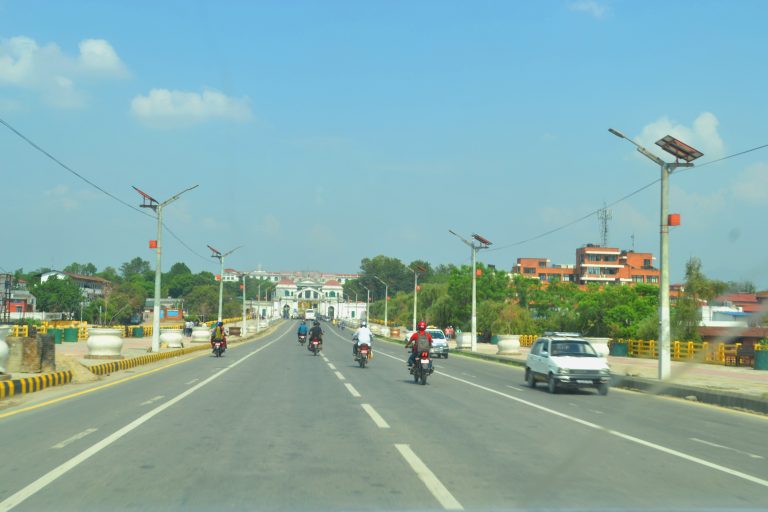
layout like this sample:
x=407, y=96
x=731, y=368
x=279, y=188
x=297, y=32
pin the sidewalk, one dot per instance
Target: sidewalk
x=706, y=382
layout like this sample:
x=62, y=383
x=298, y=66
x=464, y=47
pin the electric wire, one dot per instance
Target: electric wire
x=617, y=201
x=97, y=187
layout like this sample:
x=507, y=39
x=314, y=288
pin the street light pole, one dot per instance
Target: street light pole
x=150, y=202
x=245, y=326
x=416, y=290
x=483, y=244
x=367, y=305
x=220, y=256
x=679, y=150
x=386, y=300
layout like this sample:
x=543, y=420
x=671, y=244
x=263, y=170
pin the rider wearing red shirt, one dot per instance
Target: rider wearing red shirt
x=421, y=332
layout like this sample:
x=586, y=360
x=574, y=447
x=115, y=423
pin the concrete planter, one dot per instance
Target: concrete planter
x=464, y=340
x=509, y=344
x=385, y=331
x=172, y=337
x=4, y=352
x=104, y=343
x=201, y=334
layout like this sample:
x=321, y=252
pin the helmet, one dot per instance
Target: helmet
x=315, y=323
x=363, y=323
x=422, y=325
x=220, y=324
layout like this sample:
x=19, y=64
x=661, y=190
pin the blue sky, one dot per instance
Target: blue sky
x=324, y=132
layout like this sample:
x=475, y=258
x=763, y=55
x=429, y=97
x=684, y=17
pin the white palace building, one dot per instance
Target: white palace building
x=295, y=292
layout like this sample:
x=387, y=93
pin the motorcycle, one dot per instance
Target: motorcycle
x=302, y=339
x=422, y=368
x=314, y=346
x=218, y=348
x=363, y=354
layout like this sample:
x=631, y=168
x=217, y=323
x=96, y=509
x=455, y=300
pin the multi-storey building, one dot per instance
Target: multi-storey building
x=594, y=264
x=540, y=268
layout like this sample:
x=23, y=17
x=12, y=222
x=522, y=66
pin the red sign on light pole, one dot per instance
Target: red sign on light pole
x=153, y=244
x=479, y=272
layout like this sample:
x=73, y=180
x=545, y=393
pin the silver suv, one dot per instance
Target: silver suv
x=564, y=360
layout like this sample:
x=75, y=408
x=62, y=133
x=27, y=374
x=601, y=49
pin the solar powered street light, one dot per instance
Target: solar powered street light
x=152, y=203
x=681, y=151
x=482, y=243
x=418, y=269
x=217, y=254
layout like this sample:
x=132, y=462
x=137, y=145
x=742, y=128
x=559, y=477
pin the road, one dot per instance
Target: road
x=271, y=427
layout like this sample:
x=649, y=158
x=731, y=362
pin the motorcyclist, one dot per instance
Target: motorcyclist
x=218, y=334
x=362, y=336
x=420, y=334
x=316, y=332
x=302, y=329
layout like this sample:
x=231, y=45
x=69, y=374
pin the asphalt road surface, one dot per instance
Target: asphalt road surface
x=271, y=427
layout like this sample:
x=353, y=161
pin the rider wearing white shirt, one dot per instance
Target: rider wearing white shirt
x=362, y=336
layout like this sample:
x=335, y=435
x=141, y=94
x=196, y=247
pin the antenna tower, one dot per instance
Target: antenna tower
x=603, y=216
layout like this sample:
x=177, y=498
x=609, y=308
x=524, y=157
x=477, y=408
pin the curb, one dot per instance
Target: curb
x=24, y=385
x=107, y=368
x=653, y=387
x=706, y=396
x=13, y=387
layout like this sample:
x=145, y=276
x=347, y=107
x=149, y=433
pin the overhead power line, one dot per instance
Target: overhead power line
x=97, y=187
x=617, y=201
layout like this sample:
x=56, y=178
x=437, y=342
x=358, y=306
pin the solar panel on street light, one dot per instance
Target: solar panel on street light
x=679, y=149
x=481, y=239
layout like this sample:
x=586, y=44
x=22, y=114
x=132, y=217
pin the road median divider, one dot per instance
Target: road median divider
x=78, y=372
x=9, y=388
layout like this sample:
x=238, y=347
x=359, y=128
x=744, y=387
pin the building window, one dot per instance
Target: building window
x=593, y=271
x=646, y=263
x=542, y=277
x=611, y=257
x=593, y=257
x=529, y=271
x=542, y=264
x=314, y=295
x=637, y=279
x=652, y=279
x=286, y=293
x=332, y=294
x=353, y=314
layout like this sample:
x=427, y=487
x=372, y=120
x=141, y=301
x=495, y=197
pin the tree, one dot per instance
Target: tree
x=698, y=290
x=86, y=269
x=136, y=266
x=58, y=296
x=391, y=270
x=203, y=301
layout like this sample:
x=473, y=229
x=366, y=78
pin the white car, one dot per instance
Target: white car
x=439, y=342
x=566, y=361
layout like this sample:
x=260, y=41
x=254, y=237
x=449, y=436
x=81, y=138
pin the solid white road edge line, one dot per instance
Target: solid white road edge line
x=434, y=485
x=355, y=393
x=375, y=416
x=627, y=437
x=39, y=484
x=74, y=438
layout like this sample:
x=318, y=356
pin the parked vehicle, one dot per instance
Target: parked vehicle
x=564, y=360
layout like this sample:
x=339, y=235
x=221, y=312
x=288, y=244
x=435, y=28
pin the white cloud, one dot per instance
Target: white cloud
x=27, y=65
x=164, y=106
x=98, y=55
x=589, y=6
x=702, y=135
x=752, y=185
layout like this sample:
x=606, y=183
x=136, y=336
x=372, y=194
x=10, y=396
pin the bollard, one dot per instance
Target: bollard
x=47, y=347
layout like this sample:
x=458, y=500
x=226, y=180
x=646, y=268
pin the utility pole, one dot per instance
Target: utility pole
x=386, y=300
x=154, y=204
x=483, y=244
x=217, y=254
x=679, y=150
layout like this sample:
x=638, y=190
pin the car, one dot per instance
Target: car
x=566, y=360
x=439, y=342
